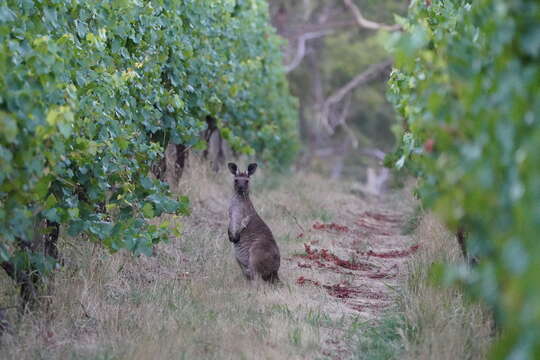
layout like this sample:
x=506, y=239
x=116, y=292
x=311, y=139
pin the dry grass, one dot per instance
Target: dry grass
x=189, y=301
x=440, y=322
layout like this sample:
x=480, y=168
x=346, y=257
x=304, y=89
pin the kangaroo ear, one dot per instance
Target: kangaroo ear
x=251, y=168
x=233, y=168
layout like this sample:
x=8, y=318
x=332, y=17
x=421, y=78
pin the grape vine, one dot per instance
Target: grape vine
x=466, y=84
x=91, y=92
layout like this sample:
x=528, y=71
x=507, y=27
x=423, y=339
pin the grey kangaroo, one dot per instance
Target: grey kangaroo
x=255, y=248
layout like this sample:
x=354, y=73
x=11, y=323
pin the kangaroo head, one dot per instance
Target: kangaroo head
x=241, y=179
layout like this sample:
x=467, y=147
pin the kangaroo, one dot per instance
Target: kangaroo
x=255, y=248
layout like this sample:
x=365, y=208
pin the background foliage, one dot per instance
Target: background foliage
x=330, y=62
x=466, y=83
x=91, y=92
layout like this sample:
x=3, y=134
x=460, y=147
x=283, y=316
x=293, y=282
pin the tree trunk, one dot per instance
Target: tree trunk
x=159, y=168
x=27, y=284
x=4, y=324
x=51, y=238
x=215, y=149
x=461, y=236
x=181, y=160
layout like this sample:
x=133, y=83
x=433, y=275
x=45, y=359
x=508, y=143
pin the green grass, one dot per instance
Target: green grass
x=412, y=221
x=379, y=341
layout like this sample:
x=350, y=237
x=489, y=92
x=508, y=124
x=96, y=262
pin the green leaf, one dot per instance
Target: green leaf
x=400, y=162
x=4, y=254
x=66, y=129
x=73, y=213
x=8, y=127
x=6, y=14
x=184, y=207
x=75, y=228
x=200, y=145
x=42, y=187
x=122, y=143
x=148, y=210
x=62, y=117
x=52, y=215
x=50, y=202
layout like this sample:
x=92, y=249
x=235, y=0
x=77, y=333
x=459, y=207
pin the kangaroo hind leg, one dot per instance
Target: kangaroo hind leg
x=272, y=277
x=245, y=270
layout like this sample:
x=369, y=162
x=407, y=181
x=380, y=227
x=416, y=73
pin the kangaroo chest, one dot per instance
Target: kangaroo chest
x=241, y=253
x=240, y=213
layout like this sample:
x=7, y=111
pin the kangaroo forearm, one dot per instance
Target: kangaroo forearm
x=235, y=229
x=234, y=238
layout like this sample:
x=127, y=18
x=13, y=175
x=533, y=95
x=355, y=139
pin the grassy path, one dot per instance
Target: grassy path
x=343, y=259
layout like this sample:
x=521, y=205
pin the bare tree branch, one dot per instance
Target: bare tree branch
x=299, y=30
x=374, y=152
x=301, y=48
x=341, y=120
x=368, y=24
x=325, y=26
x=344, y=111
x=350, y=133
x=364, y=77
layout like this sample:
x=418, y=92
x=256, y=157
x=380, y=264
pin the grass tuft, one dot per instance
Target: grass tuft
x=381, y=340
x=442, y=323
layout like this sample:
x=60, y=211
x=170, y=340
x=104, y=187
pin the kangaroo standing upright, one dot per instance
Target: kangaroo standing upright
x=255, y=248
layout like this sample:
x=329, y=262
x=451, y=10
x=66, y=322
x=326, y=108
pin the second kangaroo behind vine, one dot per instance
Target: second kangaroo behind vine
x=255, y=248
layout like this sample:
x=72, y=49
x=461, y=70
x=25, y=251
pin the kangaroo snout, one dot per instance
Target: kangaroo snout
x=241, y=185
